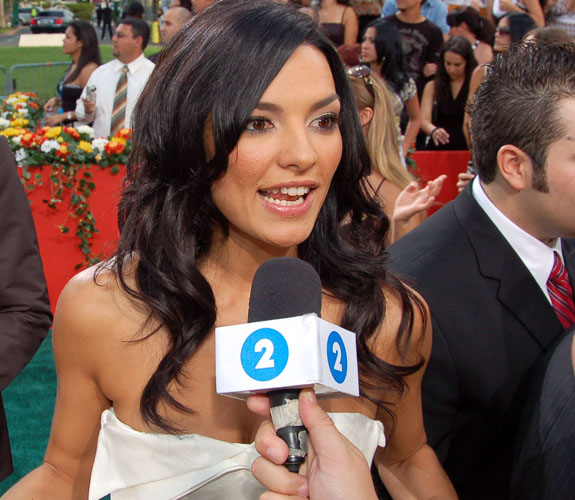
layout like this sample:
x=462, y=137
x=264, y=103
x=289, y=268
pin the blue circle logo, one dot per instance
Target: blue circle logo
x=264, y=354
x=336, y=357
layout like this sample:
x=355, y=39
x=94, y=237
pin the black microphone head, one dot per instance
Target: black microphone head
x=284, y=287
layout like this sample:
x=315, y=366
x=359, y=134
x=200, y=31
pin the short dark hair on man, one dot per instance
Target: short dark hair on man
x=139, y=28
x=518, y=103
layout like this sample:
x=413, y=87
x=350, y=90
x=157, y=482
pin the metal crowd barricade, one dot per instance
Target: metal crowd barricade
x=3, y=82
x=41, y=78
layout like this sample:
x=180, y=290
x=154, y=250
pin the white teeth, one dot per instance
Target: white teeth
x=283, y=203
x=293, y=191
x=275, y=191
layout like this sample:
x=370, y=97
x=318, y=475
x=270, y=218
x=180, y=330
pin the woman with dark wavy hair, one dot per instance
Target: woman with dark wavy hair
x=81, y=44
x=381, y=50
x=445, y=97
x=257, y=153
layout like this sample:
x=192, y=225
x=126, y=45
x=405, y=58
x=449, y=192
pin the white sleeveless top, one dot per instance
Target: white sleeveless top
x=132, y=465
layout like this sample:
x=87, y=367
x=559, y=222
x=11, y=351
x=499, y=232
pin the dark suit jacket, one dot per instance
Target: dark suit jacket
x=25, y=315
x=491, y=323
x=546, y=441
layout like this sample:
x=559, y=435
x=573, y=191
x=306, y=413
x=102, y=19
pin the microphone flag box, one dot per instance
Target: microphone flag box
x=286, y=353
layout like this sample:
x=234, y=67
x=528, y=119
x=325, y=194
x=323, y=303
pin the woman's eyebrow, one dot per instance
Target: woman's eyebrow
x=269, y=106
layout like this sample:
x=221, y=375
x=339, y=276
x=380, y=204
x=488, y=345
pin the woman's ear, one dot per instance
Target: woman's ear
x=365, y=115
x=515, y=167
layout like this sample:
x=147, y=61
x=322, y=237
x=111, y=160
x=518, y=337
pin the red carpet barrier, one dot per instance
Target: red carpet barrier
x=434, y=163
x=60, y=252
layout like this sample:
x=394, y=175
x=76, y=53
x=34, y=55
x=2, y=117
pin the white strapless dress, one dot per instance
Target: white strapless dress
x=134, y=465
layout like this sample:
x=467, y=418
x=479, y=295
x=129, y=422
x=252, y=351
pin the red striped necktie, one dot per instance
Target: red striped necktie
x=561, y=293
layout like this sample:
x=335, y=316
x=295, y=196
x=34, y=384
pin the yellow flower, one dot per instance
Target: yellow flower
x=12, y=132
x=53, y=132
x=19, y=122
x=85, y=146
x=98, y=157
x=118, y=140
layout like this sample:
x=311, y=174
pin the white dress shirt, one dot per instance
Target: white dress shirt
x=105, y=79
x=536, y=255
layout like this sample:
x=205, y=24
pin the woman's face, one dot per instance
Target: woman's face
x=502, y=36
x=368, y=51
x=71, y=44
x=280, y=172
x=454, y=65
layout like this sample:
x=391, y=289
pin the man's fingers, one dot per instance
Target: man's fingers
x=269, y=445
x=259, y=404
x=278, y=479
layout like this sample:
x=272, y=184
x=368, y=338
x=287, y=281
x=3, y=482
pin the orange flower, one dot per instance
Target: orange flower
x=124, y=133
x=33, y=105
x=63, y=151
x=115, y=146
x=28, y=139
x=73, y=132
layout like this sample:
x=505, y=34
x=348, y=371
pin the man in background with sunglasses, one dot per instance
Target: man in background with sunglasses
x=497, y=266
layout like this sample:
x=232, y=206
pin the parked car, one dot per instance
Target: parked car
x=51, y=20
x=25, y=14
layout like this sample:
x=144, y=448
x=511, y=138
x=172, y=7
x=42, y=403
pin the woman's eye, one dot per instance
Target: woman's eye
x=325, y=122
x=258, y=124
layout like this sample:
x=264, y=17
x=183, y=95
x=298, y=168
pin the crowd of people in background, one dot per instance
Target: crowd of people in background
x=481, y=412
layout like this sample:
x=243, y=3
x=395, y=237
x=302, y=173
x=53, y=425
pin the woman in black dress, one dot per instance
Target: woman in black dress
x=81, y=43
x=444, y=98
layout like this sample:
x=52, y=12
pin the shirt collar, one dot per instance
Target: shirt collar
x=536, y=255
x=132, y=66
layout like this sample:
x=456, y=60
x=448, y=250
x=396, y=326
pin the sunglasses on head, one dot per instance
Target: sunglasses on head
x=364, y=72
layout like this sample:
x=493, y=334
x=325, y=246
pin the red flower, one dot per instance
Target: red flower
x=124, y=133
x=63, y=151
x=28, y=139
x=33, y=105
x=73, y=132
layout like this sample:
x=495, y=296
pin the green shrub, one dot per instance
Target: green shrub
x=83, y=10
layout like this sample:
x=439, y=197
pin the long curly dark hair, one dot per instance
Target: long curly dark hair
x=214, y=72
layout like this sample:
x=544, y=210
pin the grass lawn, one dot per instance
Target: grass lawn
x=43, y=81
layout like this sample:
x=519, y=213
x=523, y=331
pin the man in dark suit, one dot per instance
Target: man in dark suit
x=546, y=444
x=483, y=261
x=25, y=315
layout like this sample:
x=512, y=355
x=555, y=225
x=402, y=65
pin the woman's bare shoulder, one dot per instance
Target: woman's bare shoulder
x=385, y=341
x=92, y=300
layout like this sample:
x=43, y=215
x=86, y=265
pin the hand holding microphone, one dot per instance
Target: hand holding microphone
x=336, y=469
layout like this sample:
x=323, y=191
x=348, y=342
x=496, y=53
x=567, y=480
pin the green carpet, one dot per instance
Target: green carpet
x=29, y=404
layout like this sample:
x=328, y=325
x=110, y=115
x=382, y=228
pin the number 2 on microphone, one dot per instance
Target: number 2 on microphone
x=336, y=349
x=266, y=361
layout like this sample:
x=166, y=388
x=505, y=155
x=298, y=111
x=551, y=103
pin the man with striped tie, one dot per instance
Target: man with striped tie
x=119, y=82
x=497, y=266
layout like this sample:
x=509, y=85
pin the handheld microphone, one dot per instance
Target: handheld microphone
x=283, y=288
x=284, y=347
